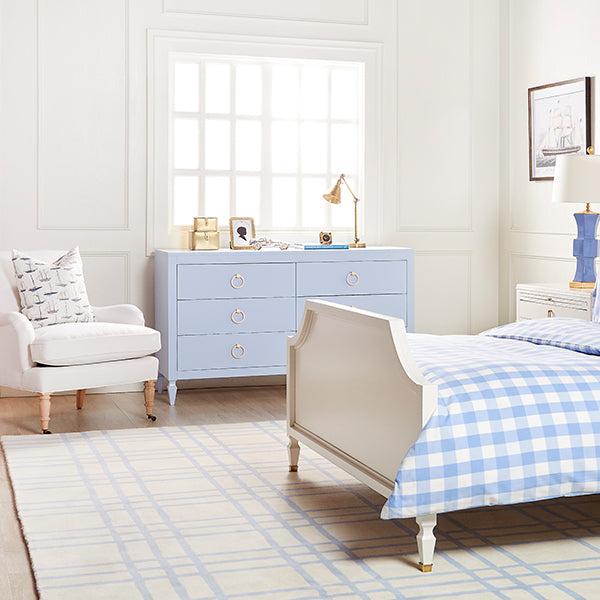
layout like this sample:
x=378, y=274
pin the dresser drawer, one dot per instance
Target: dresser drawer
x=235, y=315
x=198, y=352
x=235, y=281
x=393, y=305
x=352, y=277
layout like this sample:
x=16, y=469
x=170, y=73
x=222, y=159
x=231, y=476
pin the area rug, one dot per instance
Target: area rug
x=211, y=512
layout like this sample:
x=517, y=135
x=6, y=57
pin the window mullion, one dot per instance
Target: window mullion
x=201, y=139
x=266, y=173
x=330, y=176
x=232, y=136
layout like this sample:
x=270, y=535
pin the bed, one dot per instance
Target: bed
x=443, y=423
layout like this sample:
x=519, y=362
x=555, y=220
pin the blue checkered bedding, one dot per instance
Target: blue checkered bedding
x=518, y=418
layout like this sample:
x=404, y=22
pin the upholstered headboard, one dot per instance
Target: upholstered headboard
x=9, y=297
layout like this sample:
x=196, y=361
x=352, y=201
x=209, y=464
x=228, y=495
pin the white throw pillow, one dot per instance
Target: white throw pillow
x=52, y=293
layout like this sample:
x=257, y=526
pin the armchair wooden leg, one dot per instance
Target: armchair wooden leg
x=80, y=398
x=149, y=389
x=44, y=411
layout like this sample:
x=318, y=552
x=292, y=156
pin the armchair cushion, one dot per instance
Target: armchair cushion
x=86, y=343
x=54, y=292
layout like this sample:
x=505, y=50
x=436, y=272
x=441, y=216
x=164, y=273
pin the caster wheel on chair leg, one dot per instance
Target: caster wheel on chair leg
x=46, y=431
x=151, y=417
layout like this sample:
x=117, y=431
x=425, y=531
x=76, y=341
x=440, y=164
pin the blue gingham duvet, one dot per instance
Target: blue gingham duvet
x=518, y=418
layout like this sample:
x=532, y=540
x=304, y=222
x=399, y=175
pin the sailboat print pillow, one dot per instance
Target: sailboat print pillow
x=52, y=293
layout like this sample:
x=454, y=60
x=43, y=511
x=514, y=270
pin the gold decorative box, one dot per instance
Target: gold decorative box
x=205, y=235
x=206, y=224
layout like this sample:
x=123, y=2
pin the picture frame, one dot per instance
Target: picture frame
x=559, y=123
x=241, y=232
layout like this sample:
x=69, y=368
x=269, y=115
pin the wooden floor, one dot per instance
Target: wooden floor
x=19, y=416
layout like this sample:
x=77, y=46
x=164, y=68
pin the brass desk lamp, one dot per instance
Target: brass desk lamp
x=334, y=195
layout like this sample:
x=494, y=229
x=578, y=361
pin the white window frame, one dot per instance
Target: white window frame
x=162, y=45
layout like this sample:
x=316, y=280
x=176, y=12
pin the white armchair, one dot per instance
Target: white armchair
x=115, y=349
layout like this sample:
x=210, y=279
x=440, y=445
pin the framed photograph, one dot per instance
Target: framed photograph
x=241, y=231
x=559, y=123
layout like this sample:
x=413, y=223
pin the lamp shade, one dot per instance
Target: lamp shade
x=577, y=178
x=334, y=193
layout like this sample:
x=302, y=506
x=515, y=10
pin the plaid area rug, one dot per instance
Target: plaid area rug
x=211, y=512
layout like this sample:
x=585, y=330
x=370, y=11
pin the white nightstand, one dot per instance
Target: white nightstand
x=539, y=300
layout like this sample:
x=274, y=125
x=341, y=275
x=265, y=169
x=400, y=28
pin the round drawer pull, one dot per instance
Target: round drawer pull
x=237, y=354
x=354, y=276
x=238, y=319
x=235, y=279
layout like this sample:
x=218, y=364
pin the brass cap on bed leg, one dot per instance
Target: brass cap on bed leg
x=293, y=468
x=425, y=568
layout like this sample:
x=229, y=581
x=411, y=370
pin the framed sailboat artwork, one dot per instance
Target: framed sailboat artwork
x=559, y=123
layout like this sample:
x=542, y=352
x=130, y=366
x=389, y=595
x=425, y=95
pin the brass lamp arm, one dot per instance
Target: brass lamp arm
x=343, y=178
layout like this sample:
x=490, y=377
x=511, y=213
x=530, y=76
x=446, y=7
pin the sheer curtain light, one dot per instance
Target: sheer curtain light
x=577, y=180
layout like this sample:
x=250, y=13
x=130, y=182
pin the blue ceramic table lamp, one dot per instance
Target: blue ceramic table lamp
x=577, y=179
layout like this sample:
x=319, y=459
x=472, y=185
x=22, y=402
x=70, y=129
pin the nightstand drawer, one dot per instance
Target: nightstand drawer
x=235, y=281
x=386, y=304
x=534, y=310
x=352, y=277
x=205, y=352
x=235, y=316
x=538, y=302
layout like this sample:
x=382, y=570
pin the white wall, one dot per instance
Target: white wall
x=546, y=41
x=73, y=143
x=448, y=165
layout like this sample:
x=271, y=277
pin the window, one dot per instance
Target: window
x=264, y=138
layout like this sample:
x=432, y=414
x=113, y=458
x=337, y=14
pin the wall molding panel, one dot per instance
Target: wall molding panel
x=450, y=271
x=343, y=12
x=107, y=276
x=82, y=114
x=436, y=121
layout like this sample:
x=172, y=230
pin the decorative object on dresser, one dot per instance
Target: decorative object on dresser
x=112, y=348
x=205, y=235
x=229, y=313
x=241, y=233
x=577, y=179
x=334, y=196
x=539, y=300
x=325, y=238
x=559, y=124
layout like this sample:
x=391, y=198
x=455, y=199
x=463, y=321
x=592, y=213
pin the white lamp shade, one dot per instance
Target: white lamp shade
x=577, y=178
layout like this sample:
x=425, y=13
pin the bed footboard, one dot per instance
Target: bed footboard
x=355, y=394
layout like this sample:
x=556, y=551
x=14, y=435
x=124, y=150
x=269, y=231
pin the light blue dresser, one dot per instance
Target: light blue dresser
x=227, y=313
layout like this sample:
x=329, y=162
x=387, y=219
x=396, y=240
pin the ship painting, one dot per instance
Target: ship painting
x=563, y=135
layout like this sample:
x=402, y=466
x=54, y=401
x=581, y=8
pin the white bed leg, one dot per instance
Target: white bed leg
x=426, y=541
x=293, y=453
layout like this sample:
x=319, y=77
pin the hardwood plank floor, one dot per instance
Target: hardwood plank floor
x=19, y=416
